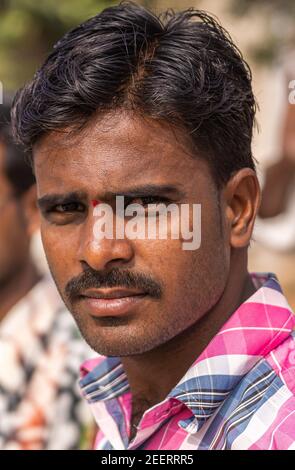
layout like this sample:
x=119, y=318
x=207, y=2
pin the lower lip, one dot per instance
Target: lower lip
x=112, y=307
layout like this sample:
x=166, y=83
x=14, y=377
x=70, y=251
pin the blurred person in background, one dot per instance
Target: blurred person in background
x=280, y=177
x=276, y=227
x=40, y=347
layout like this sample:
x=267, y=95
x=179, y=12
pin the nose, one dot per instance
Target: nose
x=102, y=253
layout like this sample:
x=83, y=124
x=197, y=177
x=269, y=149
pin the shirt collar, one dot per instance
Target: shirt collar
x=259, y=325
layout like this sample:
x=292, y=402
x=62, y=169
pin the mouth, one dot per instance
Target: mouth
x=111, y=302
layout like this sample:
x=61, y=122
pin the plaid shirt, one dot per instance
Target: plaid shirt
x=40, y=352
x=238, y=394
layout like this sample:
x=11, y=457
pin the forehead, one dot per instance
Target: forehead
x=112, y=151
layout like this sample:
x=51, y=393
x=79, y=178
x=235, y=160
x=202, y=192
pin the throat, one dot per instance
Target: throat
x=139, y=406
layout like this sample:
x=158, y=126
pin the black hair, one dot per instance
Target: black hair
x=182, y=68
x=15, y=165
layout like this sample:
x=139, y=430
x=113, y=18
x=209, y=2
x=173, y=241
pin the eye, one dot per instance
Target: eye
x=69, y=207
x=145, y=200
x=64, y=213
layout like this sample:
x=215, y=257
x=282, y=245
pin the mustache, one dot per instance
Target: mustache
x=91, y=279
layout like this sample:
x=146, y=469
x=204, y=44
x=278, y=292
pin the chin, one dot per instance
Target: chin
x=116, y=350
x=121, y=336
x=112, y=344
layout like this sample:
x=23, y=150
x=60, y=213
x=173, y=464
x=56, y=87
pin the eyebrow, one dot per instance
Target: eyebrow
x=149, y=190
x=49, y=200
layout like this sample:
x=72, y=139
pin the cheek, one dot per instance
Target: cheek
x=191, y=275
x=168, y=263
x=59, y=253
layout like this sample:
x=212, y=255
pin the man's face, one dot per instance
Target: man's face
x=113, y=156
x=14, y=239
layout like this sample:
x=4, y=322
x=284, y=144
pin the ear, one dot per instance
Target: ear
x=30, y=210
x=242, y=198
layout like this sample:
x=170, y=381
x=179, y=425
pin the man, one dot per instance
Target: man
x=40, y=349
x=196, y=352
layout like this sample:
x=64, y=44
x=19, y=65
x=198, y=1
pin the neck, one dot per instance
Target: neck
x=153, y=375
x=17, y=288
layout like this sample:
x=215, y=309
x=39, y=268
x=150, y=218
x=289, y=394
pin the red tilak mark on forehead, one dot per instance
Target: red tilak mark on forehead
x=94, y=202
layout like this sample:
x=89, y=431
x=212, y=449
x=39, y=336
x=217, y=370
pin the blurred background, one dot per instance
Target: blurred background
x=265, y=32
x=40, y=404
